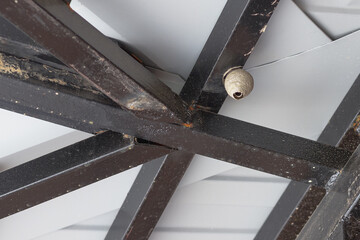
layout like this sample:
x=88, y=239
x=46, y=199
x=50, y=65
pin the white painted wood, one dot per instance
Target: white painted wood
x=194, y=216
x=336, y=18
x=19, y=132
x=203, y=167
x=209, y=235
x=299, y=94
x=69, y=209
x=92, y=229
x=234, y=193
x=288, y=32
x=169, y=32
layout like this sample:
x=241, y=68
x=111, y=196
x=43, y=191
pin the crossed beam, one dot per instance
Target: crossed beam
x=101, y=89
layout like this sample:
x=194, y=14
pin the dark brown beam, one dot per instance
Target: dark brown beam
x=71, y=168
x=207, y=134
x=350, y=229
x=345, y=228
x=143, y=208
x=130, y=223
x=297, y=203
x=299, y=200
x=96, y=58
x=32, y=70
x=231, y=42
x=10, y=32
x=15, y=42
x=136, y=197
x=334, y=206
x=301, y=211
x=343, y=118
x=341, y=131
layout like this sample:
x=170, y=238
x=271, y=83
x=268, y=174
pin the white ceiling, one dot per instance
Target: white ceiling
x=336, y=17
x=171, y=33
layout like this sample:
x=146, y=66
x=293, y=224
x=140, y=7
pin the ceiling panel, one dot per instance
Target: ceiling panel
x=336, y=18
x=92, y=229
x=170, y=33
x=288, y=32
x=23, y=132
x=299, y=94
x=85, y=203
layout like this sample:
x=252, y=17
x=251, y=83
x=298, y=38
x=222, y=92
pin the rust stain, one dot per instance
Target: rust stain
x=356, y=125
x=136, y=58
x=68, y=4
x=203, y=108
x=188, y=125
x=192, y=106
x=100, y=132
x=351, y=138
x=128, y=234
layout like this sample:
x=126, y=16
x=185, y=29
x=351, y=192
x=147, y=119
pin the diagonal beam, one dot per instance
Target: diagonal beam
x=147, y=200
x=15, y=42
x=71, y=168
x=207, y=134
x=235, y=34
x=96, y=58
x=137, y=196
x=349, y=230
x=336, y=203
x=290, y=213
x=349, y=141
x=299, y=200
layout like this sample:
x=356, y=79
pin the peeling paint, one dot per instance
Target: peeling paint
x=142, y=103
x=263, y=29
x=10, y=65
x=127, y=136
x=248, y=53
x=11, y=68
x=25, y=69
